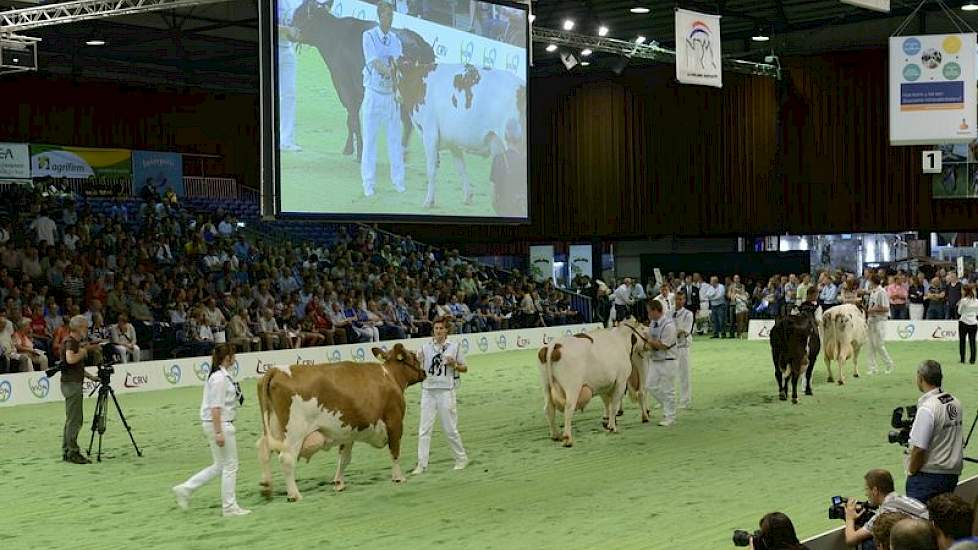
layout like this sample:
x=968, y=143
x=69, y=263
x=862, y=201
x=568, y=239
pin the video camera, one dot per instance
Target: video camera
x=901, y=426
x=742, y=538
x=838, y=509
x=110, y=356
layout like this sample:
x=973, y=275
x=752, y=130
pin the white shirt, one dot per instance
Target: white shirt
x=683, y=318
x=6, y=338
x=623, y=296
x=439, y=375
x=383, y=47
x=638, y=293
x=225, y=228
x=668, y=302
x=219, y=391
x=70, y=241
x=879, y=298
x=45, y=228
x=663, y=330
x=968, y=310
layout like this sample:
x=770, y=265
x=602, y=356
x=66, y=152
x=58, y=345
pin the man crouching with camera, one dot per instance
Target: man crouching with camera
x=880, y=498
x=936, y=450
x=73, y=374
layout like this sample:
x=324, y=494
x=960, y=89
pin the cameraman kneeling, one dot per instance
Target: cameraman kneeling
x=936, y=451
x=72, y=375
x=881, y=495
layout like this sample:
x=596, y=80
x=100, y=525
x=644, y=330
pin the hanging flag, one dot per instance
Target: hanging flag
x=698, y=53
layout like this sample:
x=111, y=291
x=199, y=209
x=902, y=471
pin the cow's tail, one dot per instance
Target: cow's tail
x=265, y=407
x=548, y=355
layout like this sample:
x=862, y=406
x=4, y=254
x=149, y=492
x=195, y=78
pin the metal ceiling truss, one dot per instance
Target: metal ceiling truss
x=651, y=51
x=12, y=21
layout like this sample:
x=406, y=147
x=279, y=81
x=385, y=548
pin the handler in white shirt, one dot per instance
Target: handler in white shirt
x=381, y=49
x=683, y=319
x=878, y=311
x=442, y=361
x=660, y=380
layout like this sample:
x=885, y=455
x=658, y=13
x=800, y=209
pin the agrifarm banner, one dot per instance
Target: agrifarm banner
x=34, y=387
x=698, y=50
x=15, y=161
x=932, y=89
x=162, y=170
x=542, y=262
x=580, y=261
x=894, y=331
x=54, y=161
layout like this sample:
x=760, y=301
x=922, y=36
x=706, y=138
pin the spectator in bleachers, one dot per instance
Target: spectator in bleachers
x=952, y=518
x=123, y=336
x=45, y=229
x=268, y=330
x=24, y=349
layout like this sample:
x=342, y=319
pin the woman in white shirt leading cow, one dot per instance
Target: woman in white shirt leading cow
x=968, y=320
x=442, y=361
x=222, y=395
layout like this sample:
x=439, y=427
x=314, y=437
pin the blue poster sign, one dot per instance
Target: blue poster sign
x=162, y=170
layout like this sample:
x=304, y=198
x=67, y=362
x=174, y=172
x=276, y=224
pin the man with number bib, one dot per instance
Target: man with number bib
x=442, y=361
x=661, y=378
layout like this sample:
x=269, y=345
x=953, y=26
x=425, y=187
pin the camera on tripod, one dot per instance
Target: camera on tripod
x=901, y=426
x=110, y=356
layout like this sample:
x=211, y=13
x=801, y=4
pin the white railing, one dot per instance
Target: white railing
x=216, y=188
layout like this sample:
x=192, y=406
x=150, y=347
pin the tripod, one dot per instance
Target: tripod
x=99, y=419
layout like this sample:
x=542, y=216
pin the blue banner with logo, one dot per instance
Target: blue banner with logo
x=162, y=170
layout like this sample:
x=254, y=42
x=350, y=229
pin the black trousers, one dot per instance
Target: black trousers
x=967, y=332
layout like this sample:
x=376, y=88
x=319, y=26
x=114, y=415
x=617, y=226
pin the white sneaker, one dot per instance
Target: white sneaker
x=418, y=470
x=235, y=512
x=461, y=465
x=182, y=495
x=667, y=422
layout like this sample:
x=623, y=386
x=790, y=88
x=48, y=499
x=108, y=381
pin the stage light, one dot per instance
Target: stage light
x=640, y=40
x=602, y=31
x=95, y=42
x=532, y=17
x=760, y=35
x=551, y=48
x=586, y=52
x=568, y=25
x=639, y=10
x=970, y=6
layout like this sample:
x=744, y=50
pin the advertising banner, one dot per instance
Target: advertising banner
x=15, y=161
x=54, y=161
x=895, y=331
x=580, y=261
x=542, y=262
x=698, y=50
x=932, y=89
x=35, y=387
x=162, y=170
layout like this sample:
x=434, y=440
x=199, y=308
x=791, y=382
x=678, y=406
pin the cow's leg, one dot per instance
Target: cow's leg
x=794, y=385
x=460, y=168
x=570, y=393
x=551, y=411
x=430, y=138
x=345, y=454
x=351, y=124
x=394, y=429
x=855, y=361
x=780, y=377
x=264, y=459
x=287, y=458
x=615, y=403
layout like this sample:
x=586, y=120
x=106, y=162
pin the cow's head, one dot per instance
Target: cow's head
x=311, y=14
x=411, y=74
x=403, y=361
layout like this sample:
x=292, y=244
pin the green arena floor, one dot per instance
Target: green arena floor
x=739, y=454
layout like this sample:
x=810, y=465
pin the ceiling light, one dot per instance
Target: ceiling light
x=532, y=17
x=16, y=60
x=585, y=63
x=568, y=25
x=760, y=34
x=586, y=52
x=970, y=6
x=551, y=48
x=602, y=31
x=640, y=40
x=639, y=9
x=95, y=43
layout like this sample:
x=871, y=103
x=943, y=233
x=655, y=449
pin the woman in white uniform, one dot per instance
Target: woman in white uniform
x=222, y=395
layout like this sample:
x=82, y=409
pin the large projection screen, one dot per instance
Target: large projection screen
x=408, y=110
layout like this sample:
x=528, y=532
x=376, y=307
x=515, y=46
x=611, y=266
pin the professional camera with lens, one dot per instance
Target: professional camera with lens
x=110, y=356
x=742, y=538
x=901, y=426
x=838, y=510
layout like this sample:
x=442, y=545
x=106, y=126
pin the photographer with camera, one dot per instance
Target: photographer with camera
x=936, y=453
x=776, y=533
x=73, y=374
x=880, y=498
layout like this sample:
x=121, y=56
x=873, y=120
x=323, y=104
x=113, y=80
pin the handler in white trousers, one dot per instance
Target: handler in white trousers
x=683, y=319
x=381, y=49
x=287, y=35
x=222, y=395
x=877, y=311
x=660, y=379
x=442, y=361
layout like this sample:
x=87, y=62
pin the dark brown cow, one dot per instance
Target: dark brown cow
x=308, y=408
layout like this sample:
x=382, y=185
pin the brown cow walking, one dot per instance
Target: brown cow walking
x=308, y=408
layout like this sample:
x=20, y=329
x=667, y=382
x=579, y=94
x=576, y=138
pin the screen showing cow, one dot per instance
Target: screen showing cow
x=401, y=109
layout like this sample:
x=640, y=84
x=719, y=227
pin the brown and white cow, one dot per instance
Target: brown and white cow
x=605, y=362
x=307, y=408
x=844, y=329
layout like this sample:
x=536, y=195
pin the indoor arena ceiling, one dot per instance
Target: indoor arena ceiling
x=215, y=45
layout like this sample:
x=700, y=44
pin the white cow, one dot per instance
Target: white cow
x=844, y=332
x=459, y=108
x=605, y=362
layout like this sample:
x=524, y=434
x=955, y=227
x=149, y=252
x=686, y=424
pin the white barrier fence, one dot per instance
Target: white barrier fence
x=895, y=331
x=35, y=387
x=836, y=538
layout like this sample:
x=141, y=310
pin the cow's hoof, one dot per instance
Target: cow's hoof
x=295, y=498
x=620, y=412
x=429, y=204
x=782, y=397
x=830, y=380
x=809, y=392
x=348, y=150
x=266, y=492
x=842, y=382
x=855, y=375
x=468, y=200
x=398, y=480
x=568, y=442
x=645, y=421
x=794, y=400
x=339, y=486
x=556, y=438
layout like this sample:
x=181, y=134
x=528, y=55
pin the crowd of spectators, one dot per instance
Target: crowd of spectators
x=164, y=277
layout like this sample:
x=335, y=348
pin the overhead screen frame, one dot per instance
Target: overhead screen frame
x=270, y=170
